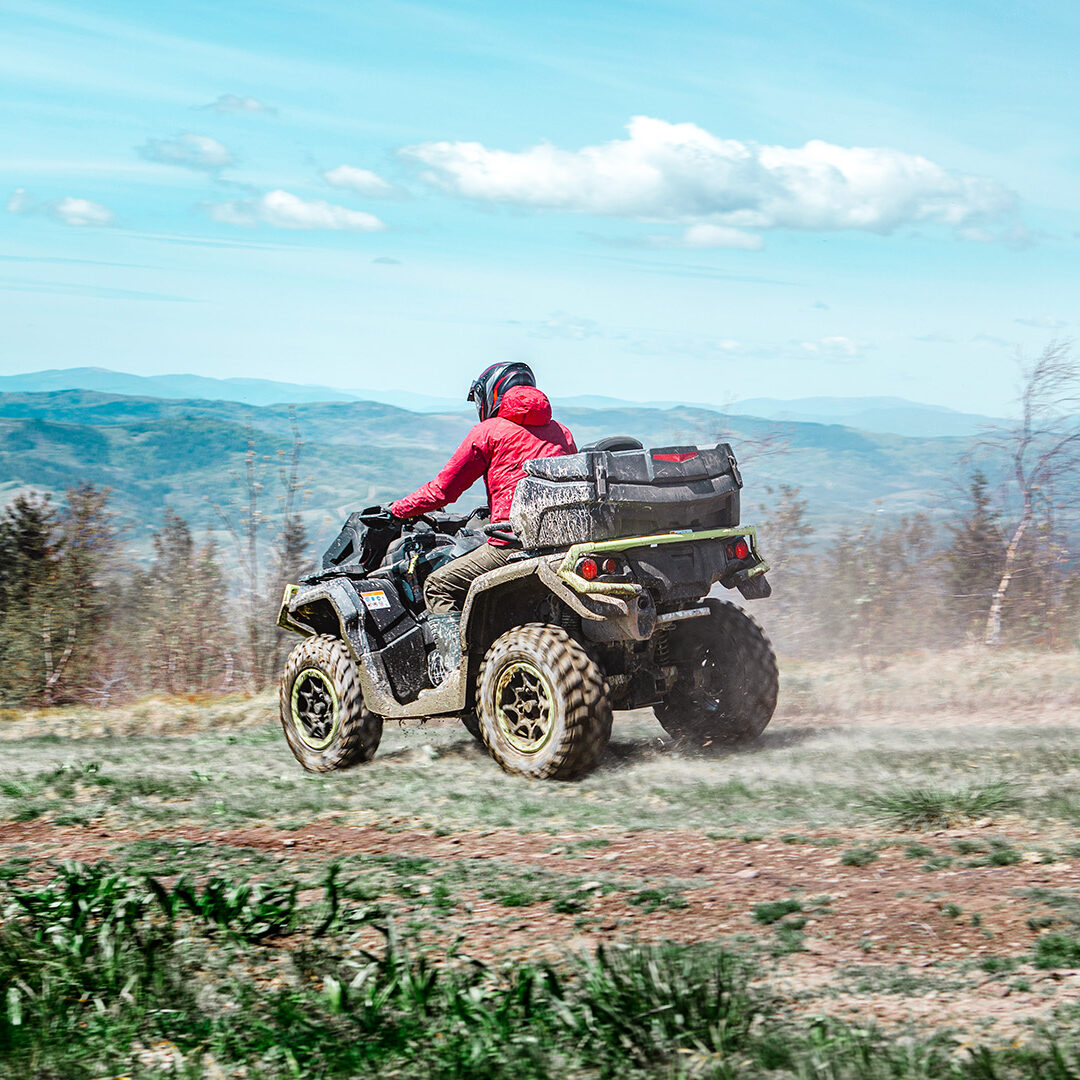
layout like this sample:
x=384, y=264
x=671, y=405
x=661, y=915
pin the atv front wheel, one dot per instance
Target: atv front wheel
x=728, y=680
x=326, y=723
x=542, y=704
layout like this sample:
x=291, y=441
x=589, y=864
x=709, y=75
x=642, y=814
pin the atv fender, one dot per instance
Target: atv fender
x=341, y=596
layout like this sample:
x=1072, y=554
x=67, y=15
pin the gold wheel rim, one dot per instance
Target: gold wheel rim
x=316, y=713
x=524, y=706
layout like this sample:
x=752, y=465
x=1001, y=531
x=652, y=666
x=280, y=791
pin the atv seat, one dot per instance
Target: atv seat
x=615, y=443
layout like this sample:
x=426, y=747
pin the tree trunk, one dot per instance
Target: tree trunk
x=992, y=636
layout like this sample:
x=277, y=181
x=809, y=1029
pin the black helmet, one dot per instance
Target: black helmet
x=487, y=391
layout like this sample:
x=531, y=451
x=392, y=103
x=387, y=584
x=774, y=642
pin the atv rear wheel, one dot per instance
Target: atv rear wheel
x=728, y=680
x=542, y=704
x=326, y=723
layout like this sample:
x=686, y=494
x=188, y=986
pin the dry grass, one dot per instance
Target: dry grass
x=1005, y=685
x=157, y=715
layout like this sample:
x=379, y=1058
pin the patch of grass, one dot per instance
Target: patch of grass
x=927, y=807
x=995, y=964
x=952, y=911
x=859, y=857
x=1057, y=951
x=16, y=867
x=652, y=899
x=938, y=862
x=770, y=911
x=896, y=980
x=519, y=898
x=789, y=938
x=918, y=851
x=968, y=847
x=588, y=844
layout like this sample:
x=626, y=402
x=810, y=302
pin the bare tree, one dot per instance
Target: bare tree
x=252, y=528
x=1043, y=451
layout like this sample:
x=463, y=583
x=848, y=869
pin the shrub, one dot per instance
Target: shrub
x=771, y=911
x=859, y=856
x=927, y=807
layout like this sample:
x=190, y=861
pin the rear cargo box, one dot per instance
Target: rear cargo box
x=608, y=495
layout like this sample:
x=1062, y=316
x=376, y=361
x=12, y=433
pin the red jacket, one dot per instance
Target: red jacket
x=497, y=450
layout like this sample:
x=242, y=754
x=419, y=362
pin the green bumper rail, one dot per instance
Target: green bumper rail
x=568, y=573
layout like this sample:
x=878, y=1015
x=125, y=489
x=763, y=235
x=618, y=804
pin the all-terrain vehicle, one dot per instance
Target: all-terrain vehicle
x=603, y=605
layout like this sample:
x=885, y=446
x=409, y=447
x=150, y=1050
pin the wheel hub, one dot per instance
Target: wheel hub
x=315, y=708
x=523, y=706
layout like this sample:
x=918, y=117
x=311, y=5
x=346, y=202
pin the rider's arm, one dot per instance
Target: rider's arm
x=468, y=464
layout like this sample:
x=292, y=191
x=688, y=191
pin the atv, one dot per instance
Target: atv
x=603, y=605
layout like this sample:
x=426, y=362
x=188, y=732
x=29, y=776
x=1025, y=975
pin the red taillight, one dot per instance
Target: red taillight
x=588, y=569
x=740, y=549
x=678, y=458
x=611, y=566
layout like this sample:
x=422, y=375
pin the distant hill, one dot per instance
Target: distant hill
x=247, y=391
x=189, y=455
x=885, y=415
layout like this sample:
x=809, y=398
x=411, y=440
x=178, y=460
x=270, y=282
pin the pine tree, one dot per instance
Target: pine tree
x=974, y=559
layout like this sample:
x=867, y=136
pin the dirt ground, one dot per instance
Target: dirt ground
x=881, y=942
x=773, y=852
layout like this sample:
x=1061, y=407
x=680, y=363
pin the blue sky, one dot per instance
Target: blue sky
x=679, y=199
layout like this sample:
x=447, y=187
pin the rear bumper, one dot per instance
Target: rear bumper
x=746, y=574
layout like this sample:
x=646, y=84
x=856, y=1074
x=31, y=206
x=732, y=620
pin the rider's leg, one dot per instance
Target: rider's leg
x=445, y=590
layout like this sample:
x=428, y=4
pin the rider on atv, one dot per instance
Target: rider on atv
x=515, y=427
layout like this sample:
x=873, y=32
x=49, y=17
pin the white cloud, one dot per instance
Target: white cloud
x=682, y=174
x=363, y=181
x=721, y=236
x=231, y=103
x=1042, y=322
x=189, y=151
x=19, y=202
x=72, y=211
x=837, y=348
x=69, y=211
x=283, y=210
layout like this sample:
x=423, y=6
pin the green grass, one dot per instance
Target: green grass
x=95, y=966
x=859, y=857
x=925, y=807
x=1057, y=951
x=770, y=911
x=787, y=786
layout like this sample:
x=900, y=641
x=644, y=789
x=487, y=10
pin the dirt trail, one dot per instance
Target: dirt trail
x=864, y=924
x=890, y=903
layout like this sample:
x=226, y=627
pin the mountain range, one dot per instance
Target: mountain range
x=885, y=415
x=189, y=454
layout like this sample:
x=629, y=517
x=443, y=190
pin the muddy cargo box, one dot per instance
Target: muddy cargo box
x=607, y=495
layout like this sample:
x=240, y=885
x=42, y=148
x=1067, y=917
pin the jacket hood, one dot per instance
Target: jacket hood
x=526, y=405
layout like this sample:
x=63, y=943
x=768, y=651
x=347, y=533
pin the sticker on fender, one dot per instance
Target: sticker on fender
x=375, y=600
